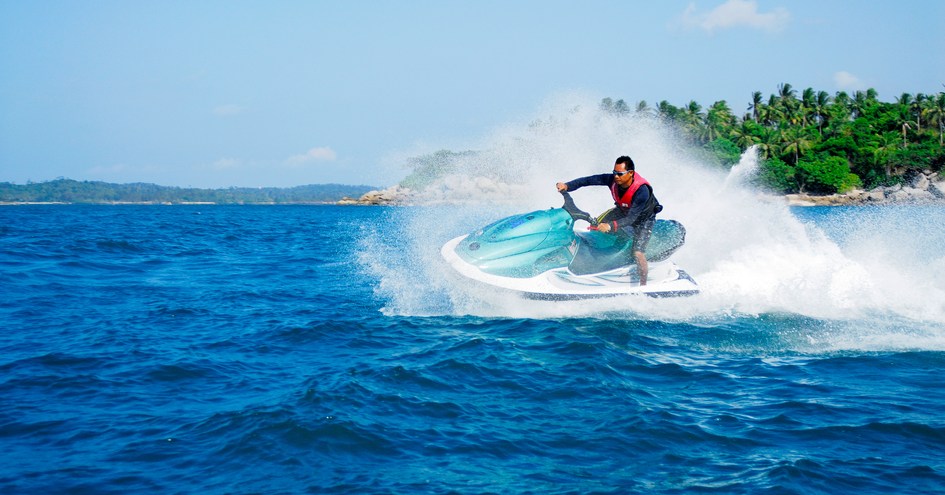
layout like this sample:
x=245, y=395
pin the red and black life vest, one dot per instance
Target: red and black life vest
x=623, y=200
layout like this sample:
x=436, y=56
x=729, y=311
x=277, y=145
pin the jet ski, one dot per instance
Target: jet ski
x=541, y=255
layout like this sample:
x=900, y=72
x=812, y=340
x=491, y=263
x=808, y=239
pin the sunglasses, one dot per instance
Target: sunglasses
x=621, y=174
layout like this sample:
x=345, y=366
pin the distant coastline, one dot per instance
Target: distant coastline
x=924, y=188
x=68, y=191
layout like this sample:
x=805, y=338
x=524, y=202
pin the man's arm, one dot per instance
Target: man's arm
x=591, y=180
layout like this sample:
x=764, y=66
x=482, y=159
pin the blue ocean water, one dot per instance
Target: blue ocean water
x=322, y=349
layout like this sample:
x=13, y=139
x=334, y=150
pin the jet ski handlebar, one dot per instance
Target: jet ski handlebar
x=576, y=213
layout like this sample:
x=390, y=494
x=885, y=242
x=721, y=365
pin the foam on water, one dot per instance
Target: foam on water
x=879, y=271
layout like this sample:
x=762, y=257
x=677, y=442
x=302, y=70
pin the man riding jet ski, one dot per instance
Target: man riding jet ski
x=539, y=254
x=635, y=207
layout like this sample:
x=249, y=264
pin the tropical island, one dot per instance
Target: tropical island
x=814, y=148
x=818, y=145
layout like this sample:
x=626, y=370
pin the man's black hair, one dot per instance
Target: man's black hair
x=626, y=160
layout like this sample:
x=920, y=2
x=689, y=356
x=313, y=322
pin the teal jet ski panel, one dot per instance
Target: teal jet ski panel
x=522, y=245
x=668, y=236
x=528, y=244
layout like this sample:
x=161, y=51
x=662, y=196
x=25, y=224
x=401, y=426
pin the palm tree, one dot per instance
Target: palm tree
x=888, y=142
x=793, y=112
x=666, y=111
x=917, y=107
x=859, y=104
x=718, y=120
x=773, y=111
x=770, y=143
x=905, y=101
x=787, y=96
x=621, y=107
x=693, y=119
x=745, y=134
x=643, y=108
x=795, y=141
x=821, y=102
x=757, y=101
x=808, y=103
x=935, y=115
x=842, y=103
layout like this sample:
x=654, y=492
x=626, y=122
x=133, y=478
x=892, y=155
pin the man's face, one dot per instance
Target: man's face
x=622, y=179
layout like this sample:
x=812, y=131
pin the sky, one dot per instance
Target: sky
x=282, y=93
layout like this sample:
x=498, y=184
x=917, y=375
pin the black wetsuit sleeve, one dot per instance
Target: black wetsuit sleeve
x=637, y=207
x=591, y=180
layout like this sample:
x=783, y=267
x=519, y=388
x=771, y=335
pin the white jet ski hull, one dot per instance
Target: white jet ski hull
x=665, y=279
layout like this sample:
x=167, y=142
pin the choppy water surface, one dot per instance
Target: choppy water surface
x=292, y=349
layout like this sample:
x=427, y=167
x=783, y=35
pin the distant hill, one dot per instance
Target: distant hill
x=72, y=191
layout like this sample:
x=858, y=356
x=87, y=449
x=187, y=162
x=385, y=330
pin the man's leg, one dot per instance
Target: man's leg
x=641, y=238
x=642, y=268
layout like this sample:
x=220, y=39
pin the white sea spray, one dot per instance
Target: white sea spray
x=749, y=251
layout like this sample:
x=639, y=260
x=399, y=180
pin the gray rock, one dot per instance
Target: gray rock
x=911, y=195
x=876, y=195
x=937, y=189
x=920, y=181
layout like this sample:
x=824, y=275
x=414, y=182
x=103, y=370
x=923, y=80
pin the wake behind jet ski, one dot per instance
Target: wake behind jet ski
x=540, y=255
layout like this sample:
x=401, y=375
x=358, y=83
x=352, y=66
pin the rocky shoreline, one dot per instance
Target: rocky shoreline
x=394, y=195
x=925, y=187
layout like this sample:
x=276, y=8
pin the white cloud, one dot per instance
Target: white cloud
x=321, y=154
x=847, y=82
x=736, y=13
x=228, y=110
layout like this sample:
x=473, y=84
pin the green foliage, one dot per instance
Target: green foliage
x=926, y=155
x=724, y=151
x=667, y=111
x=618, y=107
x=71, y=191
x=777, y=176
x=748, y=133
x=829, y=176
x=874, y=141
x=838, y=146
